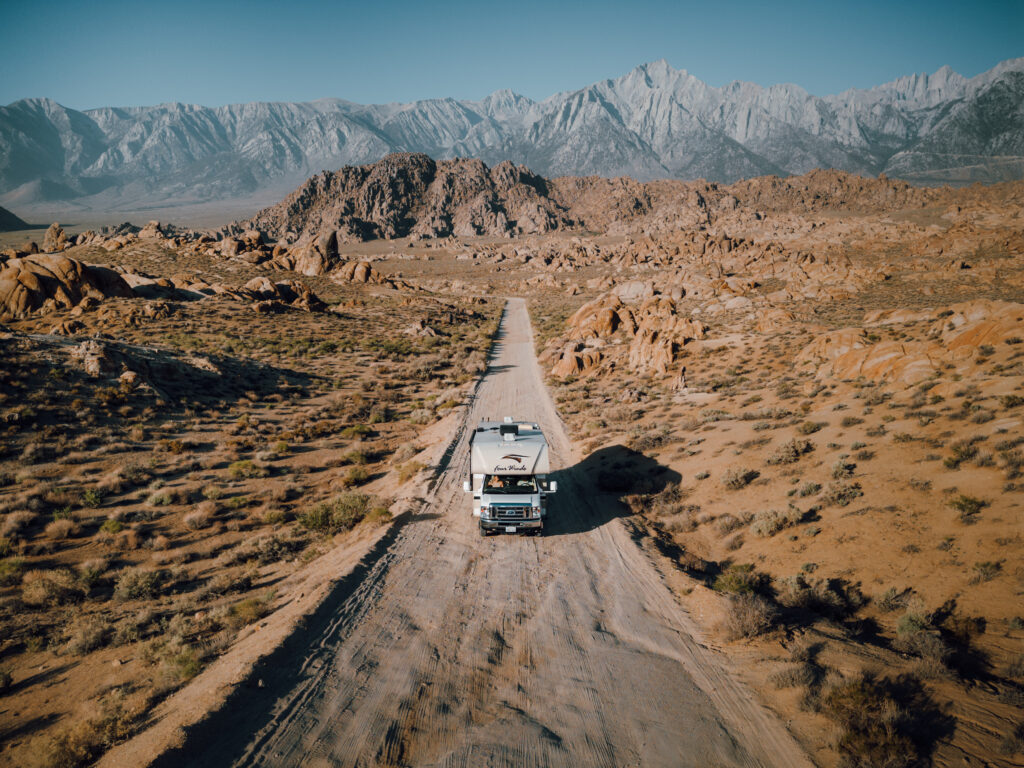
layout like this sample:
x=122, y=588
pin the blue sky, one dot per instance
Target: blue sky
x=104, y=53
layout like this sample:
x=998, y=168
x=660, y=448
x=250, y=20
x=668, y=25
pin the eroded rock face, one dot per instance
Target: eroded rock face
x=55, y=240
x=50, y=281
x=953, y=339
x=654, y=330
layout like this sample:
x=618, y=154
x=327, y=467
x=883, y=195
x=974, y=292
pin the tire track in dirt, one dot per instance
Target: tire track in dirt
x=453, y=650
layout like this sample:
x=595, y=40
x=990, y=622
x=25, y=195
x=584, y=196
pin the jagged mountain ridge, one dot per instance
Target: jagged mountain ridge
x=654, y=122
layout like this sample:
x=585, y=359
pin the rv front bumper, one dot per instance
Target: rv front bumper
x=512, y=526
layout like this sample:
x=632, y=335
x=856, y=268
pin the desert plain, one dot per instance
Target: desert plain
x=786, y=416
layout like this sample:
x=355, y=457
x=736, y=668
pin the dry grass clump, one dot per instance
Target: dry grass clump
x=61, y=528
x=840, y=493
x=790, y=452
x=769, y=522
x=138, y=584
x=86, y=634
x=967, y=507
x=739, y=579
x=201, y=517
x=749, y=615
x=51, y=587
x=739, y=477
x=81, y=743
x=887, y=723
x=246, y=469
x=343, y=513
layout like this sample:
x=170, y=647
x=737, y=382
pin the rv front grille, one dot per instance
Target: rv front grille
x=510, y=512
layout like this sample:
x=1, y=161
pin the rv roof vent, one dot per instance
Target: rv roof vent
x=509, y=429
x=508, y=419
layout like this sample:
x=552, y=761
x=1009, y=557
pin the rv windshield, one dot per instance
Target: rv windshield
x=510, y=484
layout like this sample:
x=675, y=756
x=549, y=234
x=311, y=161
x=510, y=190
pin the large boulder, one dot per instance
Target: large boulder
x=51, y=281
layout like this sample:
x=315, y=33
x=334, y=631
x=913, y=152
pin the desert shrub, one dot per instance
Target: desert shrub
x=92, y=497
x=808, y=489
x=739, y=579
x=163, y=497
x=409, y=470
x=881, y=723
x=833, y=598
x=77, y=744
x=967, y=507
x=227, y=582
x=790, y=452
x=769, y=522
x=738, y=477
x=421, y=416
x=916, y=635
x=354, y=476
x=112, y=526
x=201, y=517
x=643, y=440
x=891, y=600
x=360, y=430
x=246, y=612
x=245, y=469
x=749, y=615
x=6, y=547
x=180, y=663
x=138, y=584
x=85, y=634
x=15, y=522
x=963, y=450
x=11, y=570
x=810, y=427
x=62, y=528
x=851, y=421
x=843, y=469
x=52, y=587
x=342, y=513
x=91, y=571
x=840, y=494
x=356, y=456
x=986, y=571
x=1011, y=401
x=794, y=676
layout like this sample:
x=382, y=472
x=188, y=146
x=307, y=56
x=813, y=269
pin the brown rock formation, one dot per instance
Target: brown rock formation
x=51, y=281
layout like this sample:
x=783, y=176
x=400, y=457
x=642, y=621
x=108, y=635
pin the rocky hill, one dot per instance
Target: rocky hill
x=411, y=194
x=654, y=122
x=9, y=222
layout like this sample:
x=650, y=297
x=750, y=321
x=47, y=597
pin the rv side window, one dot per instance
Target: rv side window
x=510, y=484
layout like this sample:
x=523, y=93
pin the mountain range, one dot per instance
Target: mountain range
x=654, y=122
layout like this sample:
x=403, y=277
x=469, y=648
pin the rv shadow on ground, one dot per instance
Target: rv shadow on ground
x=590, y=493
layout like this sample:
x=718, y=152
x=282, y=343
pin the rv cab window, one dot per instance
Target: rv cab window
x=510, y=484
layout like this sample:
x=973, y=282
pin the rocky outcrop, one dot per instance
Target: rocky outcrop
x=653, y=331
x=55, y=240
x=954, y=339
x=49, y=282
x=410, y=194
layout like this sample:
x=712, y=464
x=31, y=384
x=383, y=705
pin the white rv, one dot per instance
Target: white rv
x=508, y=466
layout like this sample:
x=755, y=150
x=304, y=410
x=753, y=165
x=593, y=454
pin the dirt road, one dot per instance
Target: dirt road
x=451, y=650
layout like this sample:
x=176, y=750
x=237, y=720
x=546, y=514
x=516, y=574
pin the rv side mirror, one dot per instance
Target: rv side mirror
x=466, y=486
x=553, y=486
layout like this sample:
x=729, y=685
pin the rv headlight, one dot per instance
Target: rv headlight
x=485, y=511
x=536, y=511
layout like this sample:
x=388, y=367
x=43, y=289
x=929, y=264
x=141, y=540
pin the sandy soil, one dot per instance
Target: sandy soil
x=455, y=650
